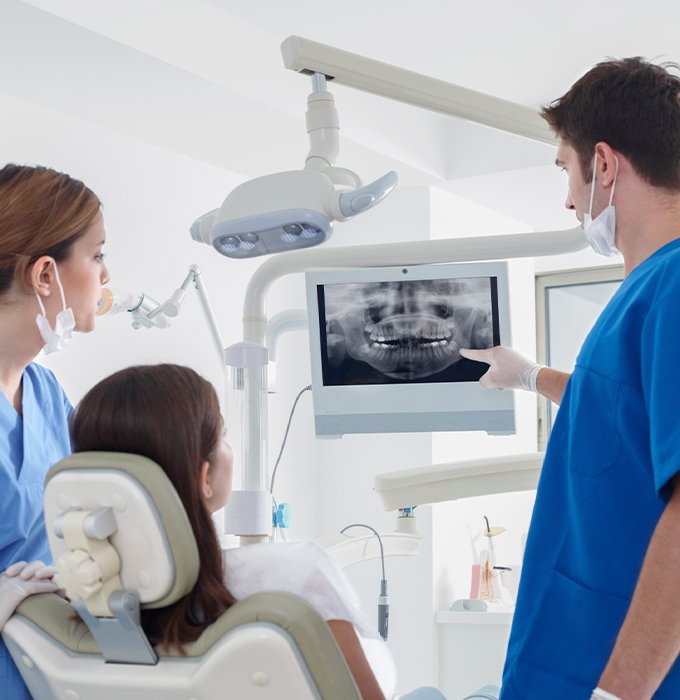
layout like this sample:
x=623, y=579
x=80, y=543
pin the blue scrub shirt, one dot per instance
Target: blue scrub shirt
x=29, y=446
x=613, y=450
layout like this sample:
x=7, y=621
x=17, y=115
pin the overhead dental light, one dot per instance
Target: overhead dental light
x=296, y=208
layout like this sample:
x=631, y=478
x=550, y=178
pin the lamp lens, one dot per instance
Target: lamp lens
x=310, y=232
x=230, y=244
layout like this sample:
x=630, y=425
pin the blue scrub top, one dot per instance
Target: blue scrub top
x=605, y=483
x=29, y=446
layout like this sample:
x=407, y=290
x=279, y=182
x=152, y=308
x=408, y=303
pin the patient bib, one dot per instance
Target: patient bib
x=304, y=569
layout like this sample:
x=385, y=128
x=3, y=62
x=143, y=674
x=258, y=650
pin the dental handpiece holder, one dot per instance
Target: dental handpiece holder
x=249, y=510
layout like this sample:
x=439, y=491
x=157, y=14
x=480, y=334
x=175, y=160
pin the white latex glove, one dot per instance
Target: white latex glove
x=507, y=368
x=21, y=580
x=599, y=694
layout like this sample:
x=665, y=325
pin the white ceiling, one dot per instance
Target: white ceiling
x=206, y=79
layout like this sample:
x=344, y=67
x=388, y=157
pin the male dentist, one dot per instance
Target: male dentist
x=598, y=611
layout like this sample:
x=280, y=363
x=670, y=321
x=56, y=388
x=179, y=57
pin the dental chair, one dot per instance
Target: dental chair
x=122, y=542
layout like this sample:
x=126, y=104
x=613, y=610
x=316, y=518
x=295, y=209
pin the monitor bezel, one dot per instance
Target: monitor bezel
x=396, y=399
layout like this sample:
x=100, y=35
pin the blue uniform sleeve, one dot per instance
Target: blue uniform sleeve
x=28, y=448
x=660, y=349
x=21, y=506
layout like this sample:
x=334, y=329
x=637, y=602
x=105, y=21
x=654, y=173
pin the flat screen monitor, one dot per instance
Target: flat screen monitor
x=385, y=348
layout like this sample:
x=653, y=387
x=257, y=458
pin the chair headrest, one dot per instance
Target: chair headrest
x=153, y=538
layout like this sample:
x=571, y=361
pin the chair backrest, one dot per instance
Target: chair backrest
x=121, y=540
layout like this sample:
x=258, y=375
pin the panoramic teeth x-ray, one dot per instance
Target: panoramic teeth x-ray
x=406, y=331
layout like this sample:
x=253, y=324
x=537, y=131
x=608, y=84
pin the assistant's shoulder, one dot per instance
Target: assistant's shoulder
x=46, y=386
x=42, y=374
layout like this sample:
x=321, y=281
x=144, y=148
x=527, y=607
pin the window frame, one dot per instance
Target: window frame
x=545, y=281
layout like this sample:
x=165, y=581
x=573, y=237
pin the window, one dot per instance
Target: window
x=567, y=305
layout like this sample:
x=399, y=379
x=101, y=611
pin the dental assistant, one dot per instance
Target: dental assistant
x=598, y=609
x=51, y=274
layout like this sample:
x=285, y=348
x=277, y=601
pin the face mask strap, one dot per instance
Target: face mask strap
x=616, y=174
x=61, y=288
x=592, y=187
x=42, y=306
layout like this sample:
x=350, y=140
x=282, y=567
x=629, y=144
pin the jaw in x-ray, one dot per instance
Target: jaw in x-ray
x=405, y=330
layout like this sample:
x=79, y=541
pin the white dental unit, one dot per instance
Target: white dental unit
x=296, y=209
x=326, y=62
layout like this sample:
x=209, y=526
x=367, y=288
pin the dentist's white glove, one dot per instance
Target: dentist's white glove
x=599, y=694
x=21, y=580
x=507, y=368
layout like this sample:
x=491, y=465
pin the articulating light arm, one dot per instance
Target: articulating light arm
x=379, y=78
x=502, y=247
x=148, y=312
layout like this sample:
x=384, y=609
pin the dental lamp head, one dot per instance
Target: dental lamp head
x=293, y=209
x=285, y=211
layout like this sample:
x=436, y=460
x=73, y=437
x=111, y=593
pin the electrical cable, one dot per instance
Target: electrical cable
x=377, y=534
x=285, y=437
x=383, y=598
x=278, y=459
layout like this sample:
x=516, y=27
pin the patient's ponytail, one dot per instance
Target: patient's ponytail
x=171, y=415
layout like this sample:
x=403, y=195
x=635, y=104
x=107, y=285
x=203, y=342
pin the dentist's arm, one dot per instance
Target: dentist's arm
x=649, y=640
x=510, y=370
x=551, y=383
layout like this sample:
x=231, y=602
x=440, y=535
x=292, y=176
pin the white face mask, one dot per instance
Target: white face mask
x=56, y=338
x=601, y=233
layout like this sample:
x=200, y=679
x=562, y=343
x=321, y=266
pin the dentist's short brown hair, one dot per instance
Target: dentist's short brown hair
x=631, y=104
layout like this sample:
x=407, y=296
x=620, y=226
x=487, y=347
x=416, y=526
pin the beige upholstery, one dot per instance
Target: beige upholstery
x=45, y=636
x=54, y=616
x=164, y=497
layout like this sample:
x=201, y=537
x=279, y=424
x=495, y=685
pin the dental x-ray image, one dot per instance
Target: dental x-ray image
x=406, y=331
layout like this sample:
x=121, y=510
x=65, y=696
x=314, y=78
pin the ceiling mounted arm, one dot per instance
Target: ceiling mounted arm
x=306, y=56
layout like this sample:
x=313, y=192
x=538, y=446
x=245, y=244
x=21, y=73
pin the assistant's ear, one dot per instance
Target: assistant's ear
x=41, y=275
x=607, y=163
x=206, y=487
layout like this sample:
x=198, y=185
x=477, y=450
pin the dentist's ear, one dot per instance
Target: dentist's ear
x=206, y=488
x=41, y=274
x=607, y=163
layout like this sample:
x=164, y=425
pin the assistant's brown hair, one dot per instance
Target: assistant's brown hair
x=631, y=104
x=171, y=415
x=42, y=212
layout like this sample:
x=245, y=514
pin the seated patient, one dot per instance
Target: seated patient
x=171, y=415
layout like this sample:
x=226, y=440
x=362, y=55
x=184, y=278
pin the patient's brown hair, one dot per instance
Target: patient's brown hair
x=171, y=415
